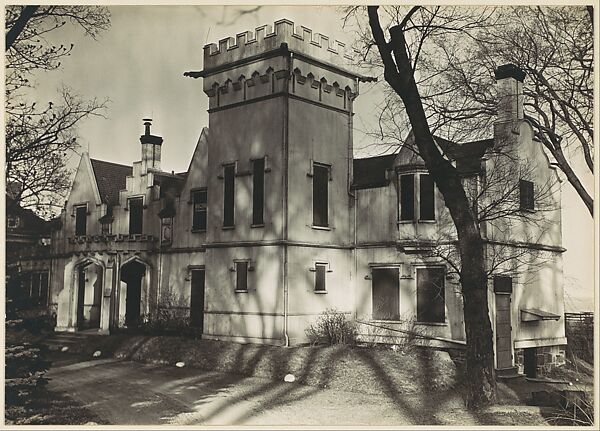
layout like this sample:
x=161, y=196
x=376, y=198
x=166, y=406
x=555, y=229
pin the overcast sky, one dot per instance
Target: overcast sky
x=139, y=63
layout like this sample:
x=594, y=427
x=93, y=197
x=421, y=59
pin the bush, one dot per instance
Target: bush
x=164, y=321
x=332, y=327
x=25, y=367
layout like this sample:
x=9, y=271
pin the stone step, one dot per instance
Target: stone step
x=508, y=373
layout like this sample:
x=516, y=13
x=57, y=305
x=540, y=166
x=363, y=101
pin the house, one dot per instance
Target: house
x=27, y=255
x=274, y=221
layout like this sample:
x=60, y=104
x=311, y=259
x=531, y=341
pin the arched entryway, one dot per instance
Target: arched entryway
x=132, y=274
x=89, y=279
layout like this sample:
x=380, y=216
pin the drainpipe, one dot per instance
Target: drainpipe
x=285, y=194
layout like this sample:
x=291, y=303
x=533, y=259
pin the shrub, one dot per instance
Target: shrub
x=25, y=367
x=332, y=327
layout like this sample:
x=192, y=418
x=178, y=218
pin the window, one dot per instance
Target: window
x=426, y=198
x=136, y=216
x=80, y=220
x=502, y=284
x=526, y=199
x=199, y=200
x=241, y=276
x=228, y=195
x=258, y=191
x=35, y=286
x=407, y=197
x=408, y=191
x=321, y=195
x=320, y=280
x=431, y=301
x=106, y=228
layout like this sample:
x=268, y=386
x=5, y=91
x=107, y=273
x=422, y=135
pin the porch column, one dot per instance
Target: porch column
x=109, y=282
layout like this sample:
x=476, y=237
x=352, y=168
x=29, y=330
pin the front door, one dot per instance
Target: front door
x=197, y=299
x=503, y=332
x=386, y=294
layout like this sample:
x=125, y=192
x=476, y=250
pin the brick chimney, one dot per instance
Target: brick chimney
x=151, y=145
x=509, y=79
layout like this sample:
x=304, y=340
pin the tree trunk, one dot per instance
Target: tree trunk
x=481, y=386
x=19, y=25
x=572, y=178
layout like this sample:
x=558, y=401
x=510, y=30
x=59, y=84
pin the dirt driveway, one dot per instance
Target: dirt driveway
x=127, y=393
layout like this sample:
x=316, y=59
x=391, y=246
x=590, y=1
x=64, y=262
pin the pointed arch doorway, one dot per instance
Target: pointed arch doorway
x=132, y=275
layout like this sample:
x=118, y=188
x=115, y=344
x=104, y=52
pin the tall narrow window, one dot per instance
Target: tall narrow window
x=44, y=287
x=526, y=198
x=80, y=220
x=136, y=216
x=258, y=191
x=426, y=198
x=407, y=197
x=320, y=280
x=321, y=195
x=199, y=200
x=228, y=195
x=431, y=301
x=241, y=276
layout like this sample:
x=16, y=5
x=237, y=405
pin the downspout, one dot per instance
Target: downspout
x=353, y=195
x=285, y=193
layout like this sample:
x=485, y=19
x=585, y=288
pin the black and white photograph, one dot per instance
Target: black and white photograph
x=326, y=215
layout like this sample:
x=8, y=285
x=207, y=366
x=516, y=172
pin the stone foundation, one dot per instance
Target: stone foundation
x=547, y=358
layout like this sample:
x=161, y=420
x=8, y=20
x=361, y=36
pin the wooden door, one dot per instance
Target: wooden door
x=503, y=332
x=197, y=299
x=386, y=294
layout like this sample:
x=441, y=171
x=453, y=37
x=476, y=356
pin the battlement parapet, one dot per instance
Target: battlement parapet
x=265, y=38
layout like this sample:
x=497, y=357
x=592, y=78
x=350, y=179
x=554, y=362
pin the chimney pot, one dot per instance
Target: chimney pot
x=147, y=124
x=510, y=71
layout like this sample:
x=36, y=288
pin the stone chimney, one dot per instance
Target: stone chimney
x=509, y=79
x=150, y=148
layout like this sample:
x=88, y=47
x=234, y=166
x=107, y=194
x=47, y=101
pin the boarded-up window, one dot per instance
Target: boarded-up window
x=526, y=195
x=386, y=294
x=80, y=220
x=241, y=276
x=407, y=197
x=320, y=195
x=136, y=216
x=258, y=191
x=431, y=301
x=228, y=195
x=426, y=198
x=199, y=199
x=320, y=281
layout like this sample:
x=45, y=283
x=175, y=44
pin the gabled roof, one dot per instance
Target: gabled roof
x=110, y=178
x=468, y=155
x=371, y=172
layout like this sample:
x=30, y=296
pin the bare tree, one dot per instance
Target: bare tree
x=40, y=139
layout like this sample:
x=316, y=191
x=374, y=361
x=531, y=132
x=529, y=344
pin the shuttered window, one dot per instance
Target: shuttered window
x=321, y=195
x=407, y=197
x=81, y=220
x=526, y=195
x=228, y=195
x=199, y=200
x=320, y=281
x=136, y=216
x=241, y=276
x=431, y=301
x=426, y=198
x=258, y=191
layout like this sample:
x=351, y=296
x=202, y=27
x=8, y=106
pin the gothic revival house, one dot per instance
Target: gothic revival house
x=275, y=222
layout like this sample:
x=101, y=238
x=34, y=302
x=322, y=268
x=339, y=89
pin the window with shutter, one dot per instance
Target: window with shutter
x=258, y=191
x=431, y=301
x=321, y=195
x=228, y=195
x=136, y=216
x=199, y=201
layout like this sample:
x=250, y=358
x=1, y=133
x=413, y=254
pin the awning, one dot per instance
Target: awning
x=534, y=314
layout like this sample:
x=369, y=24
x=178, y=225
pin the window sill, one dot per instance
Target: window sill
x=427, y=221
x=198, y=230
x=320, y=227
x=257, y=225
x=432, y=323
x=240, y=291
x=228, y=227
x=527, y=210
x=320, y=291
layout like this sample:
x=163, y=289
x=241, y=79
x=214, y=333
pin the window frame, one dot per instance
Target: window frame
x=419, y=320
x=130, y=209
x=416, y=195
x=325, y=269
x=401, y=194
x=327, y=206
x=199, y=207
x=421, y=200
x=236, y=264
x=256, y=221
x=225, y=207
x=76, y=211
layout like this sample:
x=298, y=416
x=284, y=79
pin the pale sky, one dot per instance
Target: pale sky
x=139, y=63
